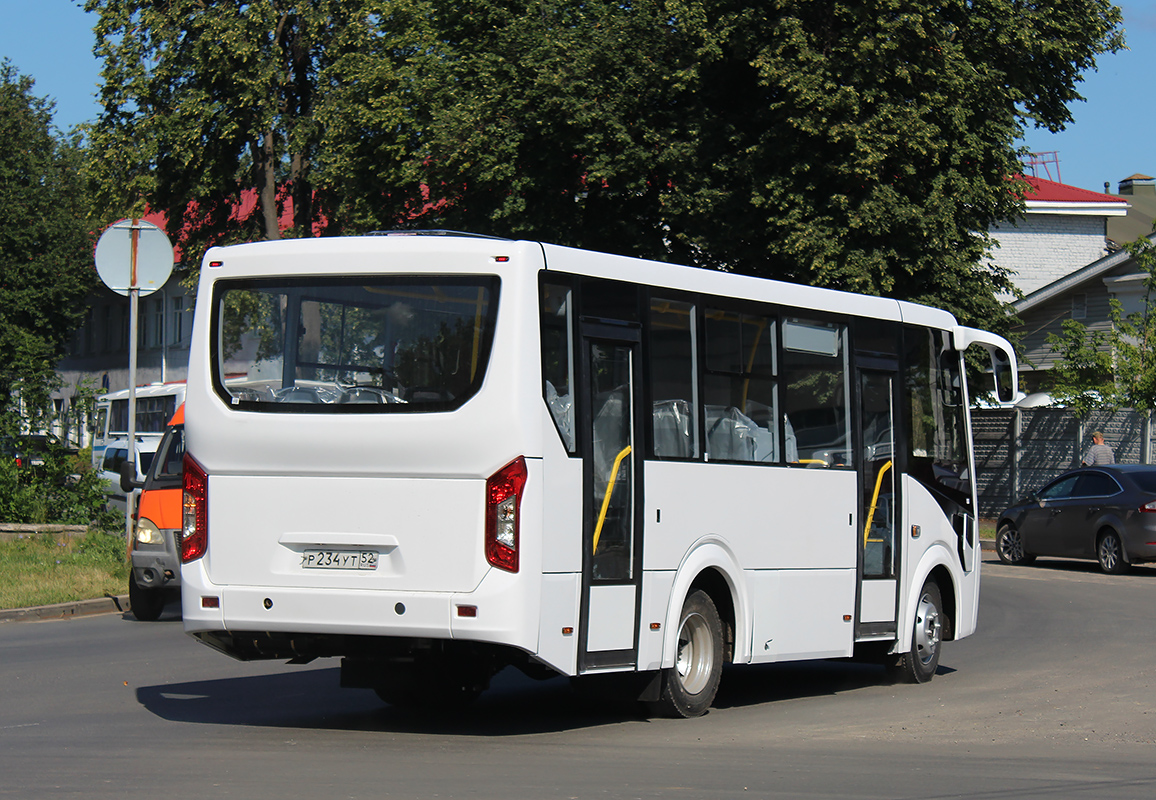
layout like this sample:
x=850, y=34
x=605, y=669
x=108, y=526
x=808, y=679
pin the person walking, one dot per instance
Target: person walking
x=1099, y=453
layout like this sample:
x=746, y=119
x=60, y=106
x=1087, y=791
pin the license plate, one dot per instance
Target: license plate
x=339, y=559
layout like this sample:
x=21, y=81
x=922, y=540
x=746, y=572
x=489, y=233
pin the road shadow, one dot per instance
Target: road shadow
x=750, y=685
x=312, y=699
x=514, y=705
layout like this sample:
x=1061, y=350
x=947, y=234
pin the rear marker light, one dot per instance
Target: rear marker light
x=210, y=602
x=467, y=611
x=503, y=506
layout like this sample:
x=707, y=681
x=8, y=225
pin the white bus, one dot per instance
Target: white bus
x=435, y=456
x=155, y=405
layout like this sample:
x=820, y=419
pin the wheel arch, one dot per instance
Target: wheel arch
x=1111, y=526
x=935, y=565
x=710, y=565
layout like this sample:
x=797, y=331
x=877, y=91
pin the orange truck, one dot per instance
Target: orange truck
x=156, y=566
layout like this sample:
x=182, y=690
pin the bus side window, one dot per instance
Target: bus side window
x=673, y=387
x=816, y=391
x=741, y=394
x=558, y=359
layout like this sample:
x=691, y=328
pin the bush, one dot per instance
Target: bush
x=65, y=491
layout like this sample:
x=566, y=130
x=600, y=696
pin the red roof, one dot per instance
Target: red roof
x=1045, y=191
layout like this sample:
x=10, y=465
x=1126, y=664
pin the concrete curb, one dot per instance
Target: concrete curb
x=110, y=604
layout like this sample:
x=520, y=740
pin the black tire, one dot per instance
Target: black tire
x=688, y=688
x=1009, y=546
x=145, y=604
x=1110, y=553
x=919, y=663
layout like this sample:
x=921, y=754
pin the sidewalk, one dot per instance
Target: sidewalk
x=80, y=608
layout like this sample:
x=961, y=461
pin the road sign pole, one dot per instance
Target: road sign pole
x=133, y=309
x=148, y=254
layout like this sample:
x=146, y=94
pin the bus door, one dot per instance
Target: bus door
x=610, y=436
x=879, y=503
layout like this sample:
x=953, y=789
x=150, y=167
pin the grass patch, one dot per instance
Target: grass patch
x=987, y=529
x=41, y=569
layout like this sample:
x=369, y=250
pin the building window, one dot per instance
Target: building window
x=158, y=337
x=1079, y=306
x=178, y=320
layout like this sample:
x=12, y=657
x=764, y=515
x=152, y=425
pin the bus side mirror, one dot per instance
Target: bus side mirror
x=128, y=481
x=1004, y=380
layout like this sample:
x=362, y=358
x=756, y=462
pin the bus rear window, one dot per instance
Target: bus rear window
x=352, y=345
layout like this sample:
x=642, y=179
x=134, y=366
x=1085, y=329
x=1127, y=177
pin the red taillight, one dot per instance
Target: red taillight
x=1148, y=508
x=503, y=506
x=195, y=516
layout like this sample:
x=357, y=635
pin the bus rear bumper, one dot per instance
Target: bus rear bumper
x=297, y=622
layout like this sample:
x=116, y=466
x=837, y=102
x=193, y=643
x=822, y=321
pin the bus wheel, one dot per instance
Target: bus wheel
x=688, y=688
x=918, y=664
x=145, y=604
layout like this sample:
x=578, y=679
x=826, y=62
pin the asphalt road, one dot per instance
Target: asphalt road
x=1053, y=697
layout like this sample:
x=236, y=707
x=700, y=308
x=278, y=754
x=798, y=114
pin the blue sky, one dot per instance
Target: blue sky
x=1111, y=139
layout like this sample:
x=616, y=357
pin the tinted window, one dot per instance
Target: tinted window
x=740, y=402
x=1061, y=489
x=1146, y=481
x=672, y=378
x=372, y=344
x=1096, y=484
x=816, y=393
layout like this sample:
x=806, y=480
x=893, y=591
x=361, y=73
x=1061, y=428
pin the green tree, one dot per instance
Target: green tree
x=1114, y=368
x=865, y=145
x=207, y=105
x=46, y=265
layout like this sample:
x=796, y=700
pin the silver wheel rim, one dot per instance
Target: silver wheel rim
x=928, y=629
x=1109, y=552
x=695, y=660
x=1011, y=546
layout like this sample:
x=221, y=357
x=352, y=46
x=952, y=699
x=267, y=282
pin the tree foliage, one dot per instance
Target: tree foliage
x=863, y=145
x=46, y=265
x=1114, y=368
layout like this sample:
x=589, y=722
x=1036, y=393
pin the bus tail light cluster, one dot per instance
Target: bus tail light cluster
x=195, y=516
x=503, y=508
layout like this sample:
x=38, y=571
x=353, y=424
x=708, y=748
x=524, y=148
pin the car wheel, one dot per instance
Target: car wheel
x=1110, y=554
x=145, y=604
x=1009, y=546
x=688, y=688
x=919, y=663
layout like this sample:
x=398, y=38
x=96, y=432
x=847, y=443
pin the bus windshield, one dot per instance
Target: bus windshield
x=367, y=344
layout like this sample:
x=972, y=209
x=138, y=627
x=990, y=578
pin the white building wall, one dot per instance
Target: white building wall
x=1043, y=248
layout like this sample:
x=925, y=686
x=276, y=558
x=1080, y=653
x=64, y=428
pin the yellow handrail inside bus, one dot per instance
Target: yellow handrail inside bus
x=609, y=490
x=875, y=500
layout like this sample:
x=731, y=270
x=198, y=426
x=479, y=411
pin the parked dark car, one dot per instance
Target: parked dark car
x=29, y=450
x=1102, y=513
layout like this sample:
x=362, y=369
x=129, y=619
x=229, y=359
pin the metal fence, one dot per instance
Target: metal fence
x=1017, y=450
